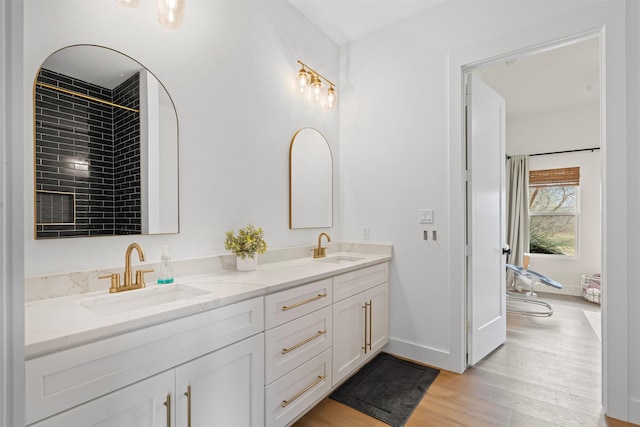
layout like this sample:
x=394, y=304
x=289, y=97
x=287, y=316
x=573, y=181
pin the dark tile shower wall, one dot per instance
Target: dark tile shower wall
x=75, y=154
x=126, y=154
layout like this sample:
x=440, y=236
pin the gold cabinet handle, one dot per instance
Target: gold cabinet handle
x=298, y=304
x=370, y=323
x=365, y=328
x=301, y=343
x=188, y=394
x=167, y=403
x=285, y=403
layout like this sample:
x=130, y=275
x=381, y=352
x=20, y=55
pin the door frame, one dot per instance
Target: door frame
x=529, y=41
x=467, y=71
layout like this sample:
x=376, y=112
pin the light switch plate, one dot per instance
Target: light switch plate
x=425, y=216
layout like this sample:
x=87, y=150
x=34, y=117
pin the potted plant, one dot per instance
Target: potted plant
x=248, y=243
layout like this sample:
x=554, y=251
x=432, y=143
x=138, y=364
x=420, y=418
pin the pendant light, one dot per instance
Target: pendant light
x=129, y=3
x=170, y=13
x=332, y=99
x=315, y=89
x=302, y=82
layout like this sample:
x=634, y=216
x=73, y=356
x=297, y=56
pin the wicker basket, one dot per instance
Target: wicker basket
x=591, y=287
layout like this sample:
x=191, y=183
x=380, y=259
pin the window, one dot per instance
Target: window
x=553, y=211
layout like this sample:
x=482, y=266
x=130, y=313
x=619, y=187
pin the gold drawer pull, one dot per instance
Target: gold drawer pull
x=167, y=403
x=298, y=304
x=188, y=395
x=285, y=403
x=300, y=344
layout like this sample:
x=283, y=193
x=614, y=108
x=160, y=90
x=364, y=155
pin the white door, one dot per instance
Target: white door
x=486, y=230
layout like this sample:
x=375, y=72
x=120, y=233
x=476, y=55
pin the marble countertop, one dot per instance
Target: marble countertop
x=58, y=323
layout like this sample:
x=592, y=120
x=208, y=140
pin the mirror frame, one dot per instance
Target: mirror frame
x=292, y=212
x=143, y=166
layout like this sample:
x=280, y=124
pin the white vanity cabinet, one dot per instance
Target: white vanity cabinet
x=222, y=388
x=122, y=373
x=142, y=404
x=360, y=318
x=297, y=350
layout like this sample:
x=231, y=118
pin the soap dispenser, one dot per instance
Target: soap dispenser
x=165, y=274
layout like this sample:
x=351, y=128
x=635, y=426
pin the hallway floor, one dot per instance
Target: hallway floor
x=548, y=373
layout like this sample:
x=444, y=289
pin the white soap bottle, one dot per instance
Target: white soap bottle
x=165, y=275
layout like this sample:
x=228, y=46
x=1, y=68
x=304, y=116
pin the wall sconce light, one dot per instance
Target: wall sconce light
x=170, y=12
x=309, y=83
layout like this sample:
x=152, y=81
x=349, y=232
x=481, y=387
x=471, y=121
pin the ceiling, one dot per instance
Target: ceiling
x=347, y=20
x=559, y=77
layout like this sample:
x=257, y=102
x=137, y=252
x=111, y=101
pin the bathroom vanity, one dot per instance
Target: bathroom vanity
x=224, y=348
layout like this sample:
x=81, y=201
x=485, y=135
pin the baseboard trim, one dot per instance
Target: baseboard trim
x=634, y=411
x=422, y=354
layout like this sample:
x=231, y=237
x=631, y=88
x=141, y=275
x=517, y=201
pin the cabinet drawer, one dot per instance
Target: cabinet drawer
x=294, y=393
x=61, y=380
x=287, y=305
x=295, y=342
x=348, y=284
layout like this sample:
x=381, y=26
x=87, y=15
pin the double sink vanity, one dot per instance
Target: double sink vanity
x=222, y=348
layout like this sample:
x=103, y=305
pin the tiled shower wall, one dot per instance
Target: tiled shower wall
x=75, y=153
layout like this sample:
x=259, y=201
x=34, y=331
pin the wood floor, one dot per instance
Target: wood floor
x=547, y=374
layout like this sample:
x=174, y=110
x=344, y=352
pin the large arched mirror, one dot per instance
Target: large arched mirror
x=106, y=147
x=310, y=180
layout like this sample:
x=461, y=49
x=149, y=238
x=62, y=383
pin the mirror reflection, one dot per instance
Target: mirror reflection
x=310, y=180
x=106, y=147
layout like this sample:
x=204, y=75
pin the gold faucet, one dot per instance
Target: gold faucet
x=319, y=252
x=115, y=277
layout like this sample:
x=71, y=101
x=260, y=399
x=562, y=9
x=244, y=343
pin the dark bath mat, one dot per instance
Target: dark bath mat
x=387, y=388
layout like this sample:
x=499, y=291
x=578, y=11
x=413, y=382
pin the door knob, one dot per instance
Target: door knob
x=506, y=250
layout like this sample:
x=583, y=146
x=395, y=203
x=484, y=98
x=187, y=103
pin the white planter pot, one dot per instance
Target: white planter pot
x=247, y=263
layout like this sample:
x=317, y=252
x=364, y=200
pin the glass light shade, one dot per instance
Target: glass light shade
x=170, y=13
x=302, y=82
x=316, y=93
x=129, y=3
x=332, y=99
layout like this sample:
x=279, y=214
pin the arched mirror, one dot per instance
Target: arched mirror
x=106, y=147
x=310, y=180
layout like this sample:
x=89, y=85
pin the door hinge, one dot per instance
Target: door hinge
x=467, y=175
x=467, y=250
x=467, y=99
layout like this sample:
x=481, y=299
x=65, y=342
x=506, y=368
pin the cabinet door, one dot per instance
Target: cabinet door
x=348, y=336
x=377, y=318
x=142, y=404
x=224, y=388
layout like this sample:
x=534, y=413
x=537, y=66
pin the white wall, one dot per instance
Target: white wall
x=401, y=150
x=557, y=129
x=633, y=230
x=230, y=71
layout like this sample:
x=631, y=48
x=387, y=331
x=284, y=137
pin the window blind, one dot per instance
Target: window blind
x=553, y=177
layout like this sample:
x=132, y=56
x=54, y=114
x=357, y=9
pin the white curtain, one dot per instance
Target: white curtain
x=517, y=208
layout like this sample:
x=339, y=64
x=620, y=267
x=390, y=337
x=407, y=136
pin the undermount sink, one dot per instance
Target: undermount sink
x=339, y=259
x=109, y=304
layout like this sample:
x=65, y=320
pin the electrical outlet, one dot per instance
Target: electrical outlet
x=366, y=233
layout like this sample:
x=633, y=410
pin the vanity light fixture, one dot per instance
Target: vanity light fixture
x=309, y=83
x=170, y=12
